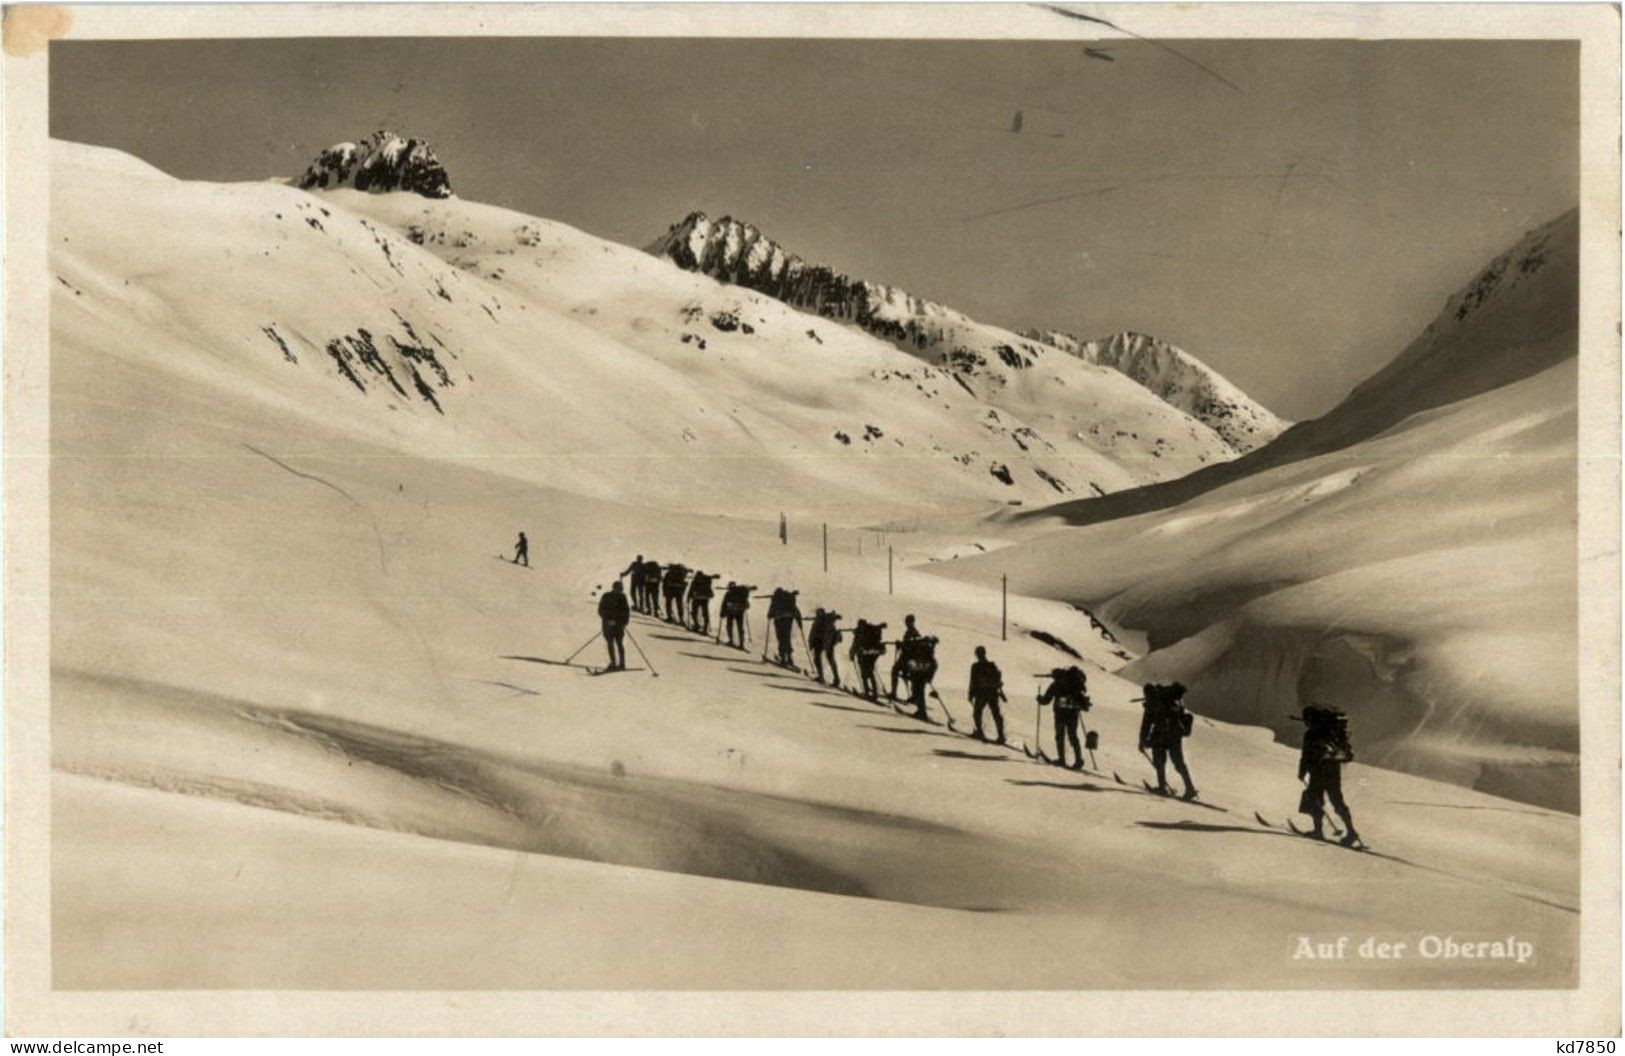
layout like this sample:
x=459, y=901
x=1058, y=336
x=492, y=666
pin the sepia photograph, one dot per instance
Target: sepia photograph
x=1095, y=499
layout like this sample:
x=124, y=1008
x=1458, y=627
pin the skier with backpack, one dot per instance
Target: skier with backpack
x=822, y=638
x=917, y=659
x=633, y=574
x=735, y=600
x=867, y=647
x=1068, y=694
x=910, y=633
x=614, y=615
x=1325, y=749
x=1163, y=728
x=652, y=578
x=673, y=583
x=785, y=616
x=699, y=602
x=986, y=691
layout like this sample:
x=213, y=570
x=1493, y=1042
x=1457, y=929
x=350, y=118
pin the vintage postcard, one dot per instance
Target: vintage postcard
x=817, y=518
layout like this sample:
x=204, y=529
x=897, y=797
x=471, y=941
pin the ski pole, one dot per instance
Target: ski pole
x=804, y=646
x=652, y=672
x=931, y=687
x=584, y=645
x=767, y=633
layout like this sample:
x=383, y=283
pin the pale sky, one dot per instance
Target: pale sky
x=1295, y=233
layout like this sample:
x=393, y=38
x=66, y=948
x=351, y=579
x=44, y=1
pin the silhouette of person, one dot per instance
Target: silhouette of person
x=1320, y=766
x=986, y=690
x=1162, y=732
x=904, y=644
x=1068, y=693
x=615, y=614
x=521, y=551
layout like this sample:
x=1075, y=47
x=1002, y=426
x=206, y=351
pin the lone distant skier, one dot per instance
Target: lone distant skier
x=521, y=551
x=1163, y=729
x=615, y=614
x=822, y=638
x=785, y=616
x=1068, y=694
x=1325, y=749
x=867, y=647
x=735, y=600
x=986, y=691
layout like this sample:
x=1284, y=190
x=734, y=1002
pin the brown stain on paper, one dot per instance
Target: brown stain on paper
x=29, y=27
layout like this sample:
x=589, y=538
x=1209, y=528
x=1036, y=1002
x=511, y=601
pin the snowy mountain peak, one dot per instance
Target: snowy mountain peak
x=737, y=252
x=382, y=162
x=1179, y=378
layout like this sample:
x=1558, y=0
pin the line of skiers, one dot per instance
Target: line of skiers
x=683, y=597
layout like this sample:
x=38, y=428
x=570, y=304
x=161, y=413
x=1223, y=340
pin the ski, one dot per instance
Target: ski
x=1195, y=801
x=1358, y=845
x=510, y=561
x=596, y=671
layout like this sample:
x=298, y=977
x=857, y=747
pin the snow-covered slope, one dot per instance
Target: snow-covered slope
x=1179, y=378
x=1411, y=557
x=441, y=324
x=1069, y=400
x=436, y=325
x=1516, y=317
x=285, y=659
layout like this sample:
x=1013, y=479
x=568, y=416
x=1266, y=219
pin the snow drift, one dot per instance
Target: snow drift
x=1410, y=557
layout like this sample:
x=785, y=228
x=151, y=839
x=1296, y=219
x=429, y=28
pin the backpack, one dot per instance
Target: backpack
x=1168, y=714
x=1069, y=690
x=1078, y=686
x=1335, y=732
x=1180, y=715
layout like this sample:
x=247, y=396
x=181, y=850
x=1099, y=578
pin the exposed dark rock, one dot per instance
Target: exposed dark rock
x=380, y=163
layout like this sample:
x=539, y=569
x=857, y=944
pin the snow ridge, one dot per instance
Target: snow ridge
x=380, y=163
x=1503, y=288
x=737, y=252
x=1180, y=379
